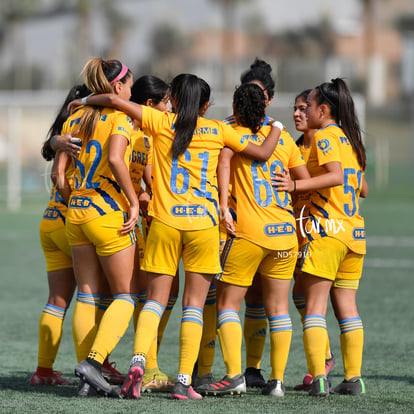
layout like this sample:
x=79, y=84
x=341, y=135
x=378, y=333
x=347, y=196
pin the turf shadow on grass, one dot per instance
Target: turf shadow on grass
x=20, y=381
x=396, y=378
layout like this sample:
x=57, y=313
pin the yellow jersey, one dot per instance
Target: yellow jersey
x=264, y=215
x=334, y=211
x=96, y=191
x=141, y=156
x=301, y=200
x=185, y=193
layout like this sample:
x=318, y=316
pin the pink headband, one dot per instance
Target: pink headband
x=121, y=74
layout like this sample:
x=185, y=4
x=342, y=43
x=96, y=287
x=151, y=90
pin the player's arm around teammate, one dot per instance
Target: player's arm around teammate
x=153, y=92
x=255, y=320
x=186, y=149
x=300, y=206
x=102, y=214
x=252, y=251
x=334, y=253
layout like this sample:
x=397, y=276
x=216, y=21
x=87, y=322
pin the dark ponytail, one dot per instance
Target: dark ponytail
x=148, y=87
x=249, y=104
x=76, y=92
x=205, y=92
x=185, y=89
x=337, y=96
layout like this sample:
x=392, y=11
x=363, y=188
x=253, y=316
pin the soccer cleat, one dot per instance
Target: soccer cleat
x=88, y=373
x=184, y=392
x=204, y=379
x=354, y=386
x=132, y=385
x=235, y=385
x=320, y=387
x=330, y=364
x=54, y=378
x=274, y=388
x=111, y=374
x=254, y=378
x=85, y=390
x=156, y=381
x=306, y=383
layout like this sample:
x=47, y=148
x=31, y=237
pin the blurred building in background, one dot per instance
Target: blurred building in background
x=45, y=43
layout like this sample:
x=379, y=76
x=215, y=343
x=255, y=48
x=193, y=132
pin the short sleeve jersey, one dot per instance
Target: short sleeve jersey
x=185, y=193
x=264, y=215
x=96, y=191
x=140, y=157
x=335, y=211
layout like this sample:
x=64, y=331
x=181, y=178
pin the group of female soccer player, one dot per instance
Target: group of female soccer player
x=240, y=204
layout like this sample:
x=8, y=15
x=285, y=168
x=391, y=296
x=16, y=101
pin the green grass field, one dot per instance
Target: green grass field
x=385, y=299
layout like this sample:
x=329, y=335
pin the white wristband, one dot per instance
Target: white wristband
x=278, y=124
x=83, y=100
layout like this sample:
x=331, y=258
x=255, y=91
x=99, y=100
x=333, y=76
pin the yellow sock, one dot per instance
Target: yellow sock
x=299, y=301
x=113, y=325
x=85, y=323
x=352, y=344
x=230, y=335
x=328, y=354
x=190, y=337
x=314, y=339
x=139, y=304
x=165, y=317
x=50, y=333
x=151, y=358
x=208, y=338
x=255, y=327
x=280, y=328
x=147, y=327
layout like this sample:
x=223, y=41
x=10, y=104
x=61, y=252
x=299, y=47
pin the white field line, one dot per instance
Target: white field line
x=390, y=241
x=389, y=263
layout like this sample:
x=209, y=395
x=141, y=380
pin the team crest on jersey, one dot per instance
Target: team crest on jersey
x=130, y=121
x=147, y=143
x=324, y=145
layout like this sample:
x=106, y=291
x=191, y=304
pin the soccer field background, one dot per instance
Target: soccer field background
x=384, y=298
